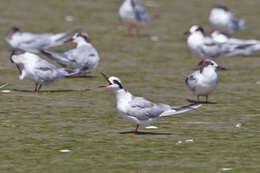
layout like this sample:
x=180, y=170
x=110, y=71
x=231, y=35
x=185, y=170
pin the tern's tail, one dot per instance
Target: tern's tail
x=180, y=109
x=241, y=24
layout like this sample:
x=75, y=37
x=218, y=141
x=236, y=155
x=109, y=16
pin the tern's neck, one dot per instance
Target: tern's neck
x=121, y=94
x=195, y=39
x=208, y=71
x=82, y=43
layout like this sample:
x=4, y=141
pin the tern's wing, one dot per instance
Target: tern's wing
x=236, y=24
x=140, y=12
x=59, y=58
x=31, y=42
x=143, y=109
x=192, y=80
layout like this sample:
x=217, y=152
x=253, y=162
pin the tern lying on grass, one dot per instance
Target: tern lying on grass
x=206, y=47
x=138, y=110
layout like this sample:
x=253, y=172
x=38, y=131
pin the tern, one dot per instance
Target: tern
x=207, y=47
x=204, y=81
x=222, y=19
x=35, y=42
x=223, y=38
x=133, y=14
x=83, y=57
x=31, y=66
x=138, y=110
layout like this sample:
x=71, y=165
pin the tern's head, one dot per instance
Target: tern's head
x=113, y=82
x=195, y=29
x=15, y=58
x=12, y=31
x=208, y=64
x=80, y=38
x=221, y=7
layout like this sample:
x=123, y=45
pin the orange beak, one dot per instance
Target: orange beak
x=69, y=40
x=108, y=82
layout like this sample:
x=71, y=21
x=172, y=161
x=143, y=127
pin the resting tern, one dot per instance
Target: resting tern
x=34, y=42
x=207, y=47
x=222, y=19
x=138, y=110
x=222, y=38
x=83, y=57
x=204, y=81
x=133, y=14
x=39, y=70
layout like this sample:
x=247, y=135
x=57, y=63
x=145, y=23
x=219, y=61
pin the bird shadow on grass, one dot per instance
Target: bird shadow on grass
x=201, y=102
x=144, y=133
x=81, y=76
x=48, y=91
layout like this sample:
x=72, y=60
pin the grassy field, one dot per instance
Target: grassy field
x=78, y=116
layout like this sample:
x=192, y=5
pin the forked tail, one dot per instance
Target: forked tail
x=180, y=109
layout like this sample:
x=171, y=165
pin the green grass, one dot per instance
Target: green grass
x=34, y=127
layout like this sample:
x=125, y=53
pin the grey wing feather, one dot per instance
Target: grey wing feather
x=141, y=13
x=192, y=80
x=143, y=109
x=59, y=58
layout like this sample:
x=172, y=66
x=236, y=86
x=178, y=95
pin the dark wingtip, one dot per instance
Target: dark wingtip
x=17, y=52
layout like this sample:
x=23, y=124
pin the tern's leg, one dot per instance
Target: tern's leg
x=136, y=130
x=206, y=99
x=39, y=88
x=137, y=29
x=129, y=28
x=36, y=87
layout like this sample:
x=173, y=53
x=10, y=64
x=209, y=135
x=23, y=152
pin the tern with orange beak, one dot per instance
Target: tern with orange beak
x=207, y=47
x=82, y=58
x=138, y=110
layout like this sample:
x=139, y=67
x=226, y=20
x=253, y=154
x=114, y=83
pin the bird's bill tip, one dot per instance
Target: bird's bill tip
x=105, y=86
x=221, y=68
x=107, y=79
x=187, y=33
x=69, y=40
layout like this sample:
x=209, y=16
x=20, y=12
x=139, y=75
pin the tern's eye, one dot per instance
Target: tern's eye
x=118, y=83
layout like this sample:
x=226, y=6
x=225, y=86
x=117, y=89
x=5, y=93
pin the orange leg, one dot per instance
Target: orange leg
x=198, y=98
x=137, y=35
x=135, y=131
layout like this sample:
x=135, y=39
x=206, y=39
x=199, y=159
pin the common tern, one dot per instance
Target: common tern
x=222, y=19
x=83, y=57
x=207, y=47
x=138, y=110
x=31, y=66
x=133, y=14
x=35, y=42
x=204, y=81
